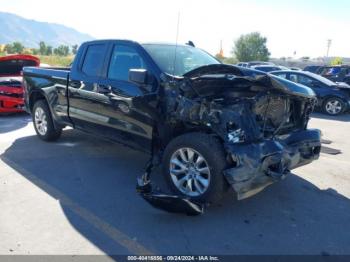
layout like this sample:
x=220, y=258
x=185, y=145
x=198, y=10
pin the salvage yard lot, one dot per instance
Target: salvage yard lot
x=77, y=196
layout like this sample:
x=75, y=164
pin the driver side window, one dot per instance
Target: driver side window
x=123, y=59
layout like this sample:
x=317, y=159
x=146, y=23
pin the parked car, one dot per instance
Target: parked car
x=268, y=68
x=312, y=68
x=255, y=63
x=11, y=89
x=208, y=124
x=339, y=73
x=294, y=69
x=242, y=64
x=333, y=98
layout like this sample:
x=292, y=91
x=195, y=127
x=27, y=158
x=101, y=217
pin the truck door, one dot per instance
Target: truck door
x=129, y=120
x=84, y=100
x=103, y=103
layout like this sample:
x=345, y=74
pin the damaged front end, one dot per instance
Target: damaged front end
x=259, y=164
x=260, y=119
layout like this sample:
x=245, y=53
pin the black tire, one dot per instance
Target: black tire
x=212, y=151
x=329, y=111
x=51, y=133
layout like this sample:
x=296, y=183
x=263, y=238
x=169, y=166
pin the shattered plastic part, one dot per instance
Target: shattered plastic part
x=169, y=203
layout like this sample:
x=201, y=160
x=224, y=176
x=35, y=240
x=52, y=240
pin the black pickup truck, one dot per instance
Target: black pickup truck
x=208, y=124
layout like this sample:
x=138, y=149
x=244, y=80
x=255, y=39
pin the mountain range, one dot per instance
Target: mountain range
x=30, y=32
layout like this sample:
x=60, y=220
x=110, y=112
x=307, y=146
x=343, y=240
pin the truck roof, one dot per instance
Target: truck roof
x=131, y=42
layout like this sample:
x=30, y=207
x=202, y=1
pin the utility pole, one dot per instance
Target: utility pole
x=221, y=50
x=329, y=43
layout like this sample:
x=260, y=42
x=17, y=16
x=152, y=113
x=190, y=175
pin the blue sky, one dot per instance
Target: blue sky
x=301, y=26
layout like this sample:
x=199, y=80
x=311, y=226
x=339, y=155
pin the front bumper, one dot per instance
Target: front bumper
x=261, y=164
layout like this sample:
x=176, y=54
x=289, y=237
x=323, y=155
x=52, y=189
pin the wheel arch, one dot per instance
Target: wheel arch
x=34, y=97
x=167, y=133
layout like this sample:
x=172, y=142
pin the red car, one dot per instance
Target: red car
x=11, y=89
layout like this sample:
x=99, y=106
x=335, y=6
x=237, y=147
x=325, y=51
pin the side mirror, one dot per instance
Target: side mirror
x=138, y=76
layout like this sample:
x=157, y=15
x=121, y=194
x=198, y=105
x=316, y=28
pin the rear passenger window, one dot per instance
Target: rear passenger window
x=93, y=60
x=123, y=59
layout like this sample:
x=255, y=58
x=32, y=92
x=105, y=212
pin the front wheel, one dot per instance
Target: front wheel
x=333, y=106
x=43, y=122
x=193, y=166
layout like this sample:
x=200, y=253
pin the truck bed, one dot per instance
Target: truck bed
x=54, y=72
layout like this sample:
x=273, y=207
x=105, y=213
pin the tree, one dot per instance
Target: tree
x=62, y=50
x=230, y=60
x=49, y=50
x=251, y=47
x=18, y=47
x=8, y=49
x=35, y=51
x=42, y=48
x=15, y=47
x=337, y=61
x=74, y=49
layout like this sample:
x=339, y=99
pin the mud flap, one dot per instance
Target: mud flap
x=169, y=203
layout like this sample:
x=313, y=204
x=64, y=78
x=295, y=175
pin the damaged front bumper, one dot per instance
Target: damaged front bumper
x=258, y=165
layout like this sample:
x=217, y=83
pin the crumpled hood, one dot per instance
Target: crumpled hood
x=265, y=79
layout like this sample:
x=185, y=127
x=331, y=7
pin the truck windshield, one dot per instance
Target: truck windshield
x=188, y=58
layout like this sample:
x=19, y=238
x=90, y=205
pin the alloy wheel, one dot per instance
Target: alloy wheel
x=189, y=172
x=333, y=107
x=40, y=121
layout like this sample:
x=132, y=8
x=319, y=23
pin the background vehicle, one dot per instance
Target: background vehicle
x=254, y=63
x=210, y=126
x=268, y=68
x=242, y=64
x=11, y=89
x=294, y=69
x=339, y=73
x=333, y=98
x=312, y=68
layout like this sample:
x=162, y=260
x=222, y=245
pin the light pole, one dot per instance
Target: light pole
x=329, y=43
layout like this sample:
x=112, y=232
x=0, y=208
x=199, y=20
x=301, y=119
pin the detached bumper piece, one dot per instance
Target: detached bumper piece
x=261, y=164
x=169, y=203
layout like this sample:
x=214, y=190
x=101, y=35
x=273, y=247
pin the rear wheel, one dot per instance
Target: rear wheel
x=333, y=106
x=43, y=122
x=193, y=166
